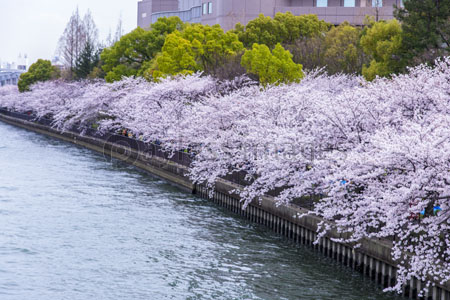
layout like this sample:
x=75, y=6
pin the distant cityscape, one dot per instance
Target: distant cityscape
x=10, y=71
x=20, y=64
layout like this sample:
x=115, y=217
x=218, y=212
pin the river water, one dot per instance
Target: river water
x=74, y=226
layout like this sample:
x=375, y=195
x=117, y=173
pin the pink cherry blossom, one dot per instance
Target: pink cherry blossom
x=375, y=155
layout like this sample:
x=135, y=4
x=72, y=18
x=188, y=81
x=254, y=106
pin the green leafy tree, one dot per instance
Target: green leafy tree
x=342, y=50
x=196, y=48
x=426, y=29
x=299, y=27
x=177, y=57
x=382, y=42
x=309, y=52
x=97, y=72
x=87, y=61
x=128, y=56
x=262, y=30
x=41, y=70
x=285, y=28
x=271, y=67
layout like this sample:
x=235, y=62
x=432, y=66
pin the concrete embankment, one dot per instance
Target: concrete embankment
x=373, y=258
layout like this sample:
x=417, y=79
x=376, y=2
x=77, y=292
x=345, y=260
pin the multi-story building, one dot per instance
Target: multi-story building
x=229, y=12
x=150, y=10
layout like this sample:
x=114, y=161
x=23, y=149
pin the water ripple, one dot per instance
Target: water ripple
x=77, y=227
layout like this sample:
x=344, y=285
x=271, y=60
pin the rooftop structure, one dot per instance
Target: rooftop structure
x=229, y=12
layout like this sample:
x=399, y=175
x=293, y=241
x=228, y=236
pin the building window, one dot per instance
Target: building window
x=349, y=3
x=205, y=8
x=322, y=3
x=377, y=3
x=144, y=15
x=209, y=7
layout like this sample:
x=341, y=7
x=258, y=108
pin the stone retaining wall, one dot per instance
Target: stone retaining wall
x=373, y=258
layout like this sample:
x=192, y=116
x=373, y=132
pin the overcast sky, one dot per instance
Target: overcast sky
x=34, y=26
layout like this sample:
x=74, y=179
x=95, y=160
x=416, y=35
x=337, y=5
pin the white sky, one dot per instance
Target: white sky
x=34, y=26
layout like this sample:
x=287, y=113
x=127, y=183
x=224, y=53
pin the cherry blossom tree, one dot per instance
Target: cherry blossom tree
x=374, y=156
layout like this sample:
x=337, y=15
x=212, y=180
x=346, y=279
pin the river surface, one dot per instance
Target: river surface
x=75, y=226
